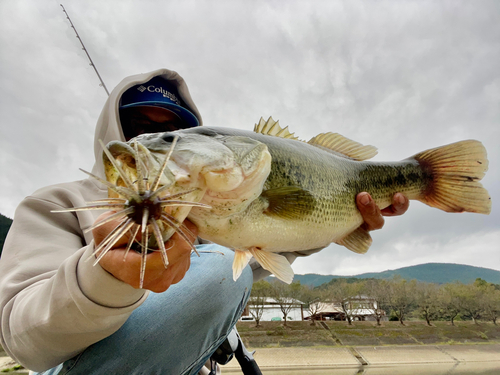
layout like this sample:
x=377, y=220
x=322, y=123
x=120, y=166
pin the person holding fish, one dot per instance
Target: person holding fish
x=64, y=314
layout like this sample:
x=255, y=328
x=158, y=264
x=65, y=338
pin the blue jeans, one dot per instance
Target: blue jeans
x=176, y=331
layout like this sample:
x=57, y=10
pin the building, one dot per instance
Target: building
x=272, y=310
x=360, y=308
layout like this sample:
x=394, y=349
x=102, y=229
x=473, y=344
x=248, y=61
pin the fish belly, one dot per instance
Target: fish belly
x=255, y=228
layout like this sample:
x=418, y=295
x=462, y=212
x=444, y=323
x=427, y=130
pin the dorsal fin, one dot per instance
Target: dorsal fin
x=343, y=145
x=271, y=127
x=329, y=141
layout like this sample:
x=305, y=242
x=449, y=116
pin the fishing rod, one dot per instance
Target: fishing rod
x=88, y=55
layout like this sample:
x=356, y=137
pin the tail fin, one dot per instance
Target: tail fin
x=455, y=170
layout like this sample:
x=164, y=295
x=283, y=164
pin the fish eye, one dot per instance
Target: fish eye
x=168, y=138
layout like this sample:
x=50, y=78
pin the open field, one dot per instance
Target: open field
x=336, y=348
x=273, y=334
x=347, y=349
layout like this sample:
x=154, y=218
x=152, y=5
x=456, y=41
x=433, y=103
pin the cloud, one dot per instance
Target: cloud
x=336, y=260
x=403, y=76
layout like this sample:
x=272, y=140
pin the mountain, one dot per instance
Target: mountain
x=439, y=273
x=5, y=224
x=429, y=272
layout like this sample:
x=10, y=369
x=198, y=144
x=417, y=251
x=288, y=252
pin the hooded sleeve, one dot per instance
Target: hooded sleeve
x=53, y=303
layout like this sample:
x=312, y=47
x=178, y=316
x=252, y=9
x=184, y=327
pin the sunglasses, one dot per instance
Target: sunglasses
x=136, y=122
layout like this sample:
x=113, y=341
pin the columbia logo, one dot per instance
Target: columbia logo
x=141, y=88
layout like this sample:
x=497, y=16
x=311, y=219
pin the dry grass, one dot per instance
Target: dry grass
x=273, y=334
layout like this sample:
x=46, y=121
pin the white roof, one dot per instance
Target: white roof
x=272, y=301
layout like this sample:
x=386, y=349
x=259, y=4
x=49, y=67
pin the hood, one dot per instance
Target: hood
x=108, y=125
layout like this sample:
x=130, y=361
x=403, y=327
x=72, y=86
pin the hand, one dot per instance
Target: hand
x=373, y=216
x=157, y=278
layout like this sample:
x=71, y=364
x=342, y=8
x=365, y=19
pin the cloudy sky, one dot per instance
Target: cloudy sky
x=403, y=76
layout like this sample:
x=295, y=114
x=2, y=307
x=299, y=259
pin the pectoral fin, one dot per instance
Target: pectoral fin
x=358, y=241
x=289, y=202
x=275, y=263
x=241, y=259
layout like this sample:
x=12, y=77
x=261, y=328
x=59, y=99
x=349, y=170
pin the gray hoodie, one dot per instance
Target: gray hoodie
x=53, y=303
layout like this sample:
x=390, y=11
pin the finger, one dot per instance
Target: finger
x=372, y=217
x=181, y=269
x=157, y=277
x=398, y=207
x=192, y=228
x=172, y=275
x=128, y=268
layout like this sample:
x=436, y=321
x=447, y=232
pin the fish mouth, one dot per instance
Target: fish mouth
x=127, y=160
x=138, y=205
x=137, y=164
x=147, y=184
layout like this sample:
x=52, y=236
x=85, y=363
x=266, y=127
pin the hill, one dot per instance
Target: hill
x=5, y=224
x=439, y=273
x=429, y=272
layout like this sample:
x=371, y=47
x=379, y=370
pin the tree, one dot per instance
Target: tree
x=5, y=224
x=378, y=290
x=449, y=301
x=402, y=297
x=286, y=296
x=428, y=301
x=470, y=297
x=343, y=293
x=490, y=302
x=257, y=300
x=314, y=301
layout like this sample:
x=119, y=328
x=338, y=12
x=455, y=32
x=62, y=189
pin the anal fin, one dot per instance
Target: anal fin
x=358, y=241
x=241, y=259
x=275, y=263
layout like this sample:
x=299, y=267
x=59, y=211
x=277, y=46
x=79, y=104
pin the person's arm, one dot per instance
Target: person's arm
x=53, y=303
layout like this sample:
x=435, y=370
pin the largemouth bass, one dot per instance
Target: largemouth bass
x=265, y=192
